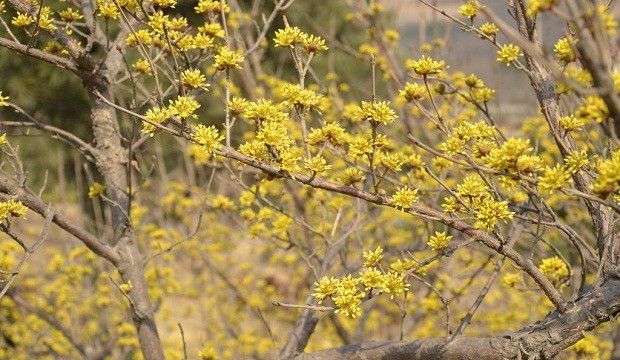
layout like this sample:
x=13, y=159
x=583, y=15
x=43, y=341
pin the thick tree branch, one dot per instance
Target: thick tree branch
x=37, y=205
x=543, y=340
x=40, y=55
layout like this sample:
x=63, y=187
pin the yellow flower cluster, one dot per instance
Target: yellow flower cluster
x=156, y=115
x=511, y=279
x=439, y=241
x=489, y=29
x=11, y=208
x=512, y=156
x=3, y=100
x=564, y=51
x=208, y=137
x=291, y=36
x=555, y=269
x=351, y=176
x=331, y=133
x=473, y=195
x=508, y=53
x=404, y=198
x=490, y=212
x=70, y=15
x=317, y=164
x=378, y=112
x=372, y=258
x=211, y=6
x=466, y=132
x=425, y=66
x=608, y=180
x=411, y=92
x=536, y=6
x=22, y=20
x=193, y=79
x=347, y=292
x=594, y=109
x=143, y=66
x=304, y=99
x=95, y=190
x=554, y=178
x=184, y=106
x=470, y=9
x=108, y=9
x=227, y=59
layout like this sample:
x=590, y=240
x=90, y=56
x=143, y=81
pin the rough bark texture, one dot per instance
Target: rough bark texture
x=543, y=340
x=111, y=160
x=299, y=337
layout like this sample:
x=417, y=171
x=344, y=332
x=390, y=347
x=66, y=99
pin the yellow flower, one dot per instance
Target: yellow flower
x=157, y=21
x=593, y=108
x=126, y=287
x=413, y=91
x=608, y=19
x=141, y=36
x=508, y=54
x=11, y=208
x=212, y=29
x=404, y=198
x=426, y=65
x=3, y=139
x=325, y=287
x=143, y=66
x=208, y=137
x=158, y=116
x=371, y=258
x=165, y=3
x=351, y=176
x=576, y=160
x=208, y=353
x=588, y=347
x=371, y=278
x=317, y=164
x=227, y=59
x=193, y=78
x=289, y=36
x=439, y=241
x=554, y=178
x=535, y=6
x=22, y=20
x=608, y=180
x=554, y=269
x=489, y=29
x=108, y=9
x=489, y=212
x=506, y=156
x=368, y=49
x=563, y=50
x=394, y=284
x=211, y=6
x=222, y=202
x=511, y=279
x=184, y=106
x=379, y=112
x=70, y=15
x=3, y=100
x=313, y=44
x=95, y=190
x=470, y=9
x=331, y=133
x=392, y=35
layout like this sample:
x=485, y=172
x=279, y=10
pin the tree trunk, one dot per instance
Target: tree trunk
x=111, y=162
